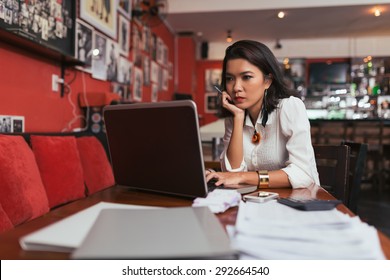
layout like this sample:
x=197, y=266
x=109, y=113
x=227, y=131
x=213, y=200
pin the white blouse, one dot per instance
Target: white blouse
x=285, y=144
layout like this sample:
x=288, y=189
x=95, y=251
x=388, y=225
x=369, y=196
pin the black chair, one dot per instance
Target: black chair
x=357, y=161
x=333, y=168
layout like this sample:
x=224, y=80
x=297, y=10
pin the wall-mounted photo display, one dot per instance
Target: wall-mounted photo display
x=160, y=51
x=136, y=45
x=124, y=70
x=137, y=85
x=155, y=68
x=125, y=7
x=112, y=58
x=101, y=14
x=84, y=45
x=153, y=46
x=146, y=69
x=99, y=57
x=124, y=34
x=212, y=78
x=154, y=93
x=146, y=38
x=17, y=124
x=46, y=22
x=5, y=124
x=165, y=54
x=170, y=70
x=165, y=78
x=211, y=103
x=120, y=89
x=11, y=124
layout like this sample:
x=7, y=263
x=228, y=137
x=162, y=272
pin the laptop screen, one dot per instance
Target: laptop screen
x=156, y=147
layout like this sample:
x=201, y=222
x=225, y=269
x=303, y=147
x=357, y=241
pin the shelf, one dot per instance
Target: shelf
x=19, y=40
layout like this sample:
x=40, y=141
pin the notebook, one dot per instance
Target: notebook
x=157, y=147
x=167, y=233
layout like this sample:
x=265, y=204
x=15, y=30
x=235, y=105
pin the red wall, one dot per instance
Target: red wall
x=186, y=68
x=25, y=87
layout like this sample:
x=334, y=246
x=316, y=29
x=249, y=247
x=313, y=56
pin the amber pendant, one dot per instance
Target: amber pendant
x=256, y=137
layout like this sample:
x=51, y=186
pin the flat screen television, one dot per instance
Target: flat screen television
x=323, y=73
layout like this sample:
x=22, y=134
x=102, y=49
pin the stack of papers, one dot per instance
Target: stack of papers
x=275, y=231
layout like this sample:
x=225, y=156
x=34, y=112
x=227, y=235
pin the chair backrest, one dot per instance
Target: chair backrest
x=333, y=168
x=357, y=160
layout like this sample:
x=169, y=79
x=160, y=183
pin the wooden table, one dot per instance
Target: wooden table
x=9, y=241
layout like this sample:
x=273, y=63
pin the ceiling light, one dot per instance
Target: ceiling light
x=377, y=12
x=281, y=14
x=229, y=38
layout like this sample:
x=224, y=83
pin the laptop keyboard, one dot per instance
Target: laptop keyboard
x=211, y=185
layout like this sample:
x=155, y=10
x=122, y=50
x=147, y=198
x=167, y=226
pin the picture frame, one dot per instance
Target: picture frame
x=212, y=78
x=138, y=84
x=102, y=17
x=17, y=124
x=155, y=68
x=211, y=102
x=125, y=8
x=124, y=36
x=84, y=45
x=99, y=60
x=154, y=92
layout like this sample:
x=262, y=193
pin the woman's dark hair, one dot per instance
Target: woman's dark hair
x=260, y=56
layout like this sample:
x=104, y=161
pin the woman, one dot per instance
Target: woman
x=267, y=135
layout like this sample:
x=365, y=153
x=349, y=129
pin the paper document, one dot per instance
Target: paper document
x=67, y=234
x=275, y=231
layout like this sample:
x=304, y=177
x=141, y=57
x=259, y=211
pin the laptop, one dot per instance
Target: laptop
x=166, y=233
x=157, y=147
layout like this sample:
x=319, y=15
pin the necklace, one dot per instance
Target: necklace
x=256, y=137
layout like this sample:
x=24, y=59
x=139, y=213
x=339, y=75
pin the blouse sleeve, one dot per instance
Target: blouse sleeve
x=300, y=166
x=225, y=164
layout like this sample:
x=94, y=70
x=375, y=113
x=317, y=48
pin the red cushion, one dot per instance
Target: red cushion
x=16, y=176
x=60, y=166
x=96, y=166
x=5, y=222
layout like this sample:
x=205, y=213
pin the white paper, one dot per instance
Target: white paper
x=67, y=234
x=275, y=231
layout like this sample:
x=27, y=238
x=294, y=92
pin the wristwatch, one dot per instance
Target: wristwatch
x=263, y=182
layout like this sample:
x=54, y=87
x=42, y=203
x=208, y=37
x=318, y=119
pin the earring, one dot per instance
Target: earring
x=264, y=111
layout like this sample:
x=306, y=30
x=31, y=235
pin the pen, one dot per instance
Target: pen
x=218, y=89
x=220, y=93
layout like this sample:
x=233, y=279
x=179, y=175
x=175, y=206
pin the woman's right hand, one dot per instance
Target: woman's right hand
x=229, y=105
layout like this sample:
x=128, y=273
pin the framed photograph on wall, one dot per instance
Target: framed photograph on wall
x=154, y=72
x=84, y=45
x=100, y=14
x=212, y=78
x=5, y=124
x=17, y=124
x=124, y=7
x=154, y=92
x=124, y=34
x=99, y=60
x=211, y=103
x=137, y=85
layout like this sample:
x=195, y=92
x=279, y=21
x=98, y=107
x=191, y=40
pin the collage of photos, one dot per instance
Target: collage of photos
x=128, y=55
x=48, y=22
x=11, y=124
